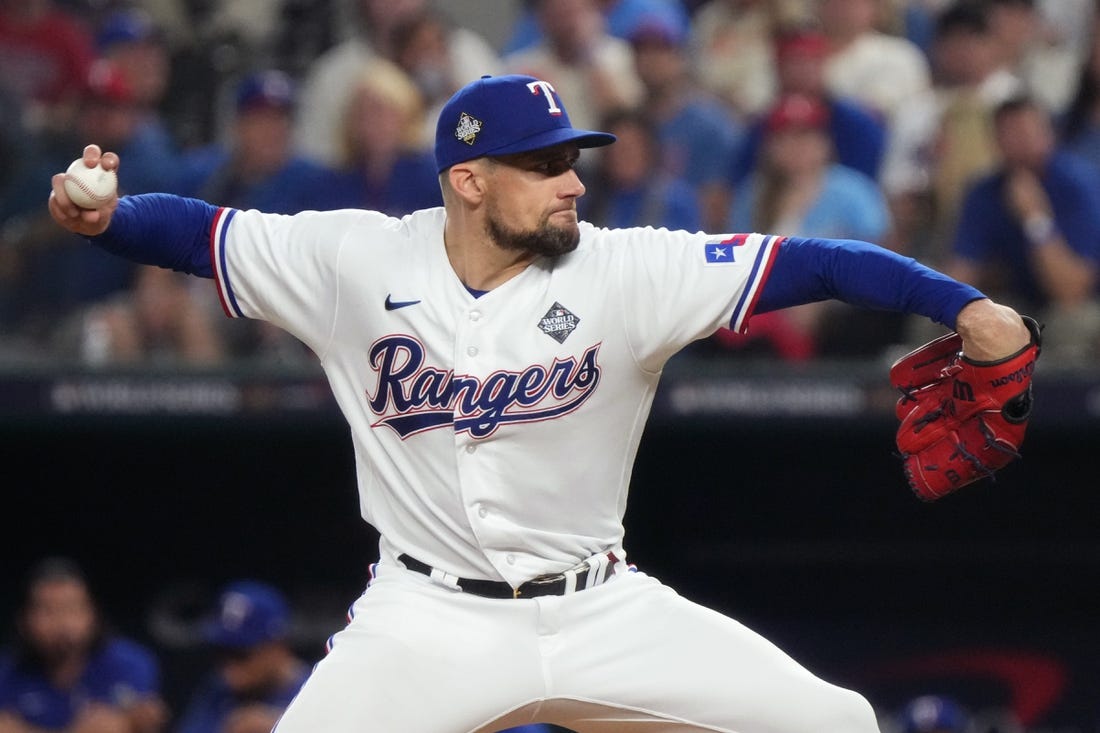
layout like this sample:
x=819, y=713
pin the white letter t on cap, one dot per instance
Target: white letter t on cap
x=548, y=92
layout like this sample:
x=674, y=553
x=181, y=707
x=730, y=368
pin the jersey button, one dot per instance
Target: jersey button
x=483, y=512
x=475, y=315
x=471, y=448
x=471, y=350
x=511, y=559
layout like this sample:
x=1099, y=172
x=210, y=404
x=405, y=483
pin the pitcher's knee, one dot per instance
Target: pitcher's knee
x=851, y=713
x=824, y=708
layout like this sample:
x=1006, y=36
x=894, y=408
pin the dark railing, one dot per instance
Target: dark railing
x=692, y=390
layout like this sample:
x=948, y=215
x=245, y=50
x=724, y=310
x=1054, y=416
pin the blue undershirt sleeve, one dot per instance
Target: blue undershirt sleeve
x=807, y=270
x=162, y=229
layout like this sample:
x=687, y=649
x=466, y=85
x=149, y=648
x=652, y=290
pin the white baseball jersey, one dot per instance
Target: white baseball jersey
x=495, y=435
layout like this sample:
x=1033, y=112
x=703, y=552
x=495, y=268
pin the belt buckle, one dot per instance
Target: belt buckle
x=538, y=580
x=579, y=569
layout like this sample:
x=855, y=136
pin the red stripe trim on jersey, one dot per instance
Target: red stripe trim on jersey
x=219, y=228
x=736, y=240
x=215, y=261
x=763, y=268
x=773, y=250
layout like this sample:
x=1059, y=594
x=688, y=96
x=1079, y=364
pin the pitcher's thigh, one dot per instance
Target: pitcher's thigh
x=665, y=654
x=418, y=659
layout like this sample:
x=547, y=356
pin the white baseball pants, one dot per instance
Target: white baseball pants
x=627, y=655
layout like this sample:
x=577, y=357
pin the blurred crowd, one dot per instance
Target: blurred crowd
x=963, y=133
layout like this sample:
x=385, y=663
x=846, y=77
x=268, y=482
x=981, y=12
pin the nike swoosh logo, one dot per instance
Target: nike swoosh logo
x=392, y=305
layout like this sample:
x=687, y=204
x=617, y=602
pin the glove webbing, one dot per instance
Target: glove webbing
x=990, y=442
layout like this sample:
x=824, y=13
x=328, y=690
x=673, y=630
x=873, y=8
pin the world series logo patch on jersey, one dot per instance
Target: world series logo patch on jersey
x=723, y=251
x=558, y=322
x=468, y=128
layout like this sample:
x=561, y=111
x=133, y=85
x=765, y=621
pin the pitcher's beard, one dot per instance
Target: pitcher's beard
x=547, y=240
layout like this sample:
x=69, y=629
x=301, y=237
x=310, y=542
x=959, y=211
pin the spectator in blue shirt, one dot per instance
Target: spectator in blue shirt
x=799, y=189
x=698, y=134
x=258, y=671
x=630, y=189
x=67, y=671
x=1030, y=231
x=257, y=167
x=858, y=135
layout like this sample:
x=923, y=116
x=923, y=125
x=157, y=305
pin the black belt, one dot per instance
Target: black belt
x=576, y=578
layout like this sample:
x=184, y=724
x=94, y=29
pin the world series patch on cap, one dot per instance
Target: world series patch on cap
x=502, y=115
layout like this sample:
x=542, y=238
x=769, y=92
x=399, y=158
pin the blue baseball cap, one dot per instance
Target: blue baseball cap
x=248, y=613
x=501, y=115
x=126, y=26
x=269, y=88
x=665, y=29
x=933, y=713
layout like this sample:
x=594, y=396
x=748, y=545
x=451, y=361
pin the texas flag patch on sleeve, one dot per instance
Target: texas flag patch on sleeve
x=723, y=251
x=754, y=253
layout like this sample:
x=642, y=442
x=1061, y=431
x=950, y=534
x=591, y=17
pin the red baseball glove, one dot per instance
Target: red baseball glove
x=961, y=420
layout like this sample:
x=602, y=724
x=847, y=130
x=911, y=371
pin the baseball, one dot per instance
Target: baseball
x=89, y=188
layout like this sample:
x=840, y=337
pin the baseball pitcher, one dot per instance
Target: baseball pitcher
x=496, y=360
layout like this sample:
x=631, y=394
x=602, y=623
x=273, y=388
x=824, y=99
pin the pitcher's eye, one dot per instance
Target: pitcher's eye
x=556, y=166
